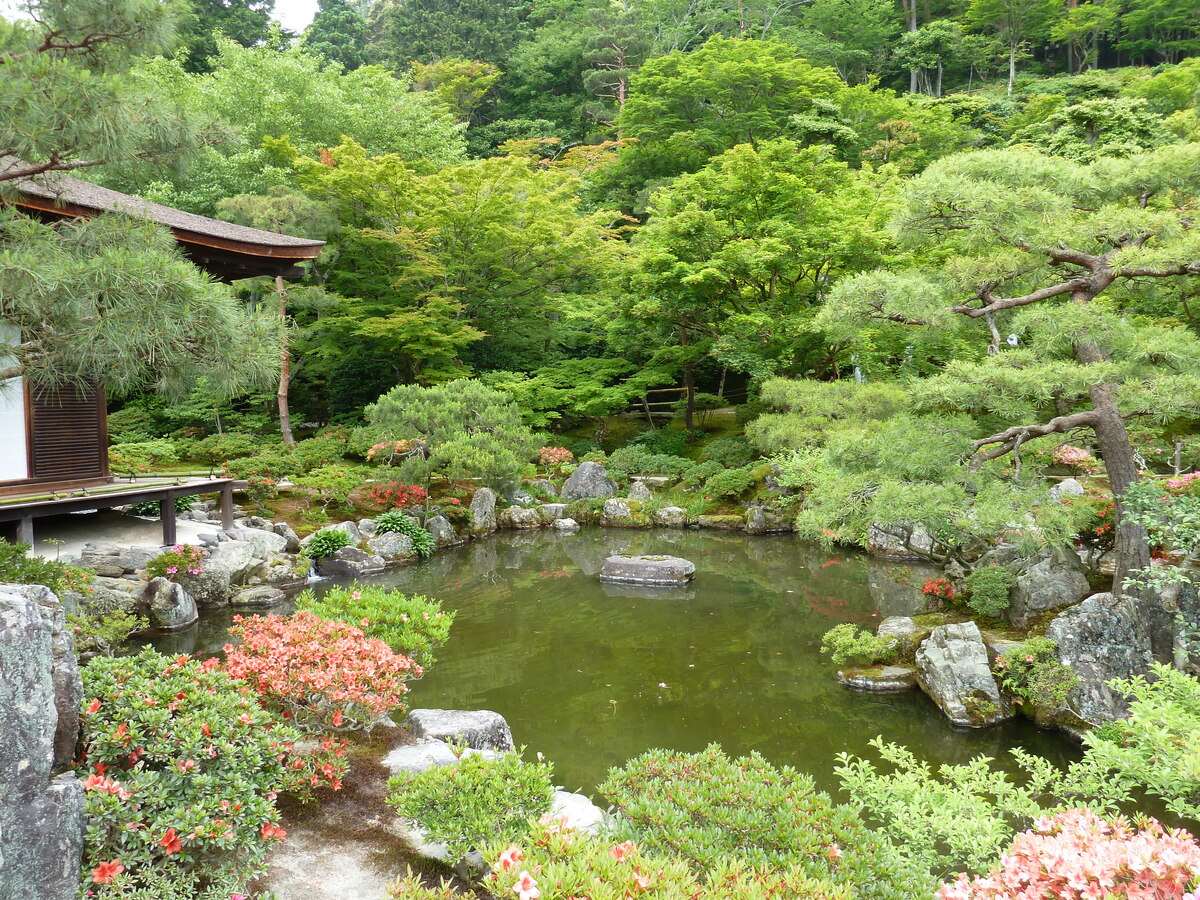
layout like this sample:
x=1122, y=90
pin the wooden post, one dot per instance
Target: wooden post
x=227, y=506
x=285, y=367
x=166, y=512
x=25, y=530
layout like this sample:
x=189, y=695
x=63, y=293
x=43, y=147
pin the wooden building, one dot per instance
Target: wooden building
x=54, y=443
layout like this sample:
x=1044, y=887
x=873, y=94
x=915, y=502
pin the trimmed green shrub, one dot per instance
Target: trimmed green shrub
x=700, y=473
x=221, y=448
x=18, y=568
x=988, y=588
x=409, y=624
x=633, y=460
x=142, y=456
x=847, y=645
x=707, y=808
x=730, y=482
x=394, y=521
x=730, y=452
x=475, y=800
x=327, y=542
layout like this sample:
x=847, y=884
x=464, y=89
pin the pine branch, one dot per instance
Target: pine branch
x=1010, y=439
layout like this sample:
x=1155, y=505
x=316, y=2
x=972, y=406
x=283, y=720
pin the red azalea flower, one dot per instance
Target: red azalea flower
x=107, y=871
x=170, y=842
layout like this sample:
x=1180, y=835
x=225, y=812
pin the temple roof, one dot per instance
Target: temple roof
x=226, y=250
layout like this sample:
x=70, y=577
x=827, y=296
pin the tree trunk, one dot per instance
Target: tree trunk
x=689, y=405
x=939, y=79
x=285, y=367
x=1012, y=67
x=1131, y=550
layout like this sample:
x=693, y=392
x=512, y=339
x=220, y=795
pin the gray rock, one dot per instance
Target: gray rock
x=647, y=570
x=483, y=511
x=392, y=546
x=442, y=531
x=105, y=597
x=480, y=729
x=522, y=497
x=349, y=527
x=114, y=560
x=42, y=820
x=1101, y=639
x=766, y=520
x=897, y=626
x=900, y=541
x=1052, y=580
x=519, y=517
x=210, y=589
x=368, y=528
x=262, y=595
x=284, y=530
x=616, y=512
x=879, y=679
x=953, y=668
x=425, y=754
x=582, y=814
x=670, y=516
x=653, y=481
x=168, y=605
x=1068, y=487
x=721, y=523
x=264, y=542
x=588, y=480
x=350, y=562
x=566, y=525
x=639, y=491
x=236, y=559
x=552, y=511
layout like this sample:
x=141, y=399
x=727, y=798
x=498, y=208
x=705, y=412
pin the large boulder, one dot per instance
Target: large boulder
x=546, y=486
x=393, y=547
x=953, y=669
x=721, y=523
x=1052, y=580
x=617, y=513
x=41, y=818
x=260, y=596
x=114, y=560
x=265, y=542
x=766, y=520
x=519, y=517
x=1101, y=639
x=350, y=562
x=349, y=527
x=670, y=516
x=640, y=491
x=229, y=563
x=590, y=479
x=442, y=532
x=565, y=525
x=168, y=605
x=481, y=729
x=284, y=530
x=483, y=511
x=552, y=511
x=577, y=811
x=900, y=541
x=425, y=754
x=647, y=570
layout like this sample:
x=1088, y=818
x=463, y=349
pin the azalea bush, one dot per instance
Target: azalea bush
x=17, y=567
x=181, y=768
x=938, y=587
x=554, y=862
x=846, y=644
x=397, y=495
x=321, y=674
x=1033, y=673
x=554, y=458
x=709, y=809
x=180, y=560
x=474, y=800
x=409, y=624
x=327, y=542
x=1076, y=855
x=454, y=511
x=395, y=522
x=1076, y=459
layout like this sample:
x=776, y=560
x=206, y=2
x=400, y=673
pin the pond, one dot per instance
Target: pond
x=591, y=674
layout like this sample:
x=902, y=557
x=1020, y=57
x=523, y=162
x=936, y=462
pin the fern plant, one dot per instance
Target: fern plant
x=394, y=521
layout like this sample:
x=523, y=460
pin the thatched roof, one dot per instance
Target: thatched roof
x=227, y=250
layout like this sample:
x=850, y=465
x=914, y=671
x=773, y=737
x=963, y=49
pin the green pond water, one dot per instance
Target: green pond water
x=591, y=674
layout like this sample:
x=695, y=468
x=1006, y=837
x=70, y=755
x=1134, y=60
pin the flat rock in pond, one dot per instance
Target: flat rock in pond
x=955, y=671
x=480, y=729
x=647, y=570
x=879, y=679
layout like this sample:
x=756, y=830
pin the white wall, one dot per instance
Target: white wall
x=13, y=462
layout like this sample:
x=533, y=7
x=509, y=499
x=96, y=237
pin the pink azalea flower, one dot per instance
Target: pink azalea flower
x=620, y=851
x=526, y=887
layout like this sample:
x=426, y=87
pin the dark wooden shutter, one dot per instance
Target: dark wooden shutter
x=68, y=437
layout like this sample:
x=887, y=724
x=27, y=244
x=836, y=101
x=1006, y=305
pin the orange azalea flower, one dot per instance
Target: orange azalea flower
x=171, y=842
x=107, y=871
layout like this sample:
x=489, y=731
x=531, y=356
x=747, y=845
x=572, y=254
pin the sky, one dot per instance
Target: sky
x=293, y=14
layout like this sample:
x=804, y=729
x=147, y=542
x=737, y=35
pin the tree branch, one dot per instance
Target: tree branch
x=1011, y=439
x=995, y=305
